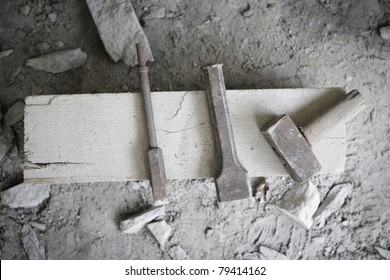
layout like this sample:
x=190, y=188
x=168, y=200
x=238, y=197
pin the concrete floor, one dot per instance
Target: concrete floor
x=274, y=44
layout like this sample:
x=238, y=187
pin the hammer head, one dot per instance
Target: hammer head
x=292, y=148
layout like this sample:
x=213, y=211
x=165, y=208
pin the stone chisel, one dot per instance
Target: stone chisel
x=155, y=155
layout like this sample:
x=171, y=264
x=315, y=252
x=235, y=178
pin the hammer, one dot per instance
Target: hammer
x=292, y=144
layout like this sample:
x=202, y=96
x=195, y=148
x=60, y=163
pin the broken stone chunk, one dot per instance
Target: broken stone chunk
x=6, y=140
x=25, y=10
x=31, y=244
x=300, y=203
x=14, y=114
x=137, y=222
x=6, y=53
x=177, y=253
x=270, y=254
x=384, y=32
x=119, y=29
x=154, y=12
x=383, y=252
x=25, y=196
x=42, y=47
x=161, y=231
x=333, y=201
x=53, y=17
x=41, y=227
x=59, y=61
x=20, y=34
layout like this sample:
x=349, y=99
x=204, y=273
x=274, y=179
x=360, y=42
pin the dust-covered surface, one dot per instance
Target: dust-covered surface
x=262, y=44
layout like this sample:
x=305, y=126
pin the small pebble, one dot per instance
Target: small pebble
x=52, y=17
x=25, y=10
x=385, y=32
x=20, y=34
x=42, y=47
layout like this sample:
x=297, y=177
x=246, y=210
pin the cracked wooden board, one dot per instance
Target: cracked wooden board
x=102, y=137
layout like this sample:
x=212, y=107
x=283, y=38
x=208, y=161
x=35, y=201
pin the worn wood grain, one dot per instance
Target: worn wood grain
x=101, y=137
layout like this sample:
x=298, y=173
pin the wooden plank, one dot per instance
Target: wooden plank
x=101, y=137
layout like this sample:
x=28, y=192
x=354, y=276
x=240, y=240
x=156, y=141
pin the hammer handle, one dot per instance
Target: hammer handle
x=340, y=113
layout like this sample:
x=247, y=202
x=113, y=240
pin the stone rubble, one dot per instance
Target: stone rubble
x=119, y=29
x=137, y=222
x=6, y=140
x=25, y=196
x=154, y=12
x=25, y=10
x=384, y=32
x=270, y=254
x=31, y=244
x=177, y=253
x=333, y=201
x=161, y=231
x=300, y=203
x=6, y=53
x=383, y=252
x=39, y=226
x=58, y=62
x=14, y=114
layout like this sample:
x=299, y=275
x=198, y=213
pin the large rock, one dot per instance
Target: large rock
x=14, y=114
x=58, y=62
x=333, y=201
x=119, y=29
x=25, y=196
x=137, y=222
x=300, y=203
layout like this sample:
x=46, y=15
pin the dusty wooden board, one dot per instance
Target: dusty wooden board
x=101, y=137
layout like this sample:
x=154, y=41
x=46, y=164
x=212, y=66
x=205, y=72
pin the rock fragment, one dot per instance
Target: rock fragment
x=25, y=10
x=42, y=47
x=270, y=254
x=20, y=34
x=58, y=62
x=6, y=140
x=383, y=252
x=333, y=201
x=161, y=231
x=40, y=226
x=251, y=256
x=177, y=253
x=119, y=29
x=25, y=196
x=384, y=32
x=300, y=203
x=31, y=244
x=6, y=53
x=154, y=12
x=137, y=222
x=14, y=114
x=53, y=17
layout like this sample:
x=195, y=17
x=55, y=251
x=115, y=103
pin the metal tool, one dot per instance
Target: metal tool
x=293, y=145
x=155, y=155
x=232, y=181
